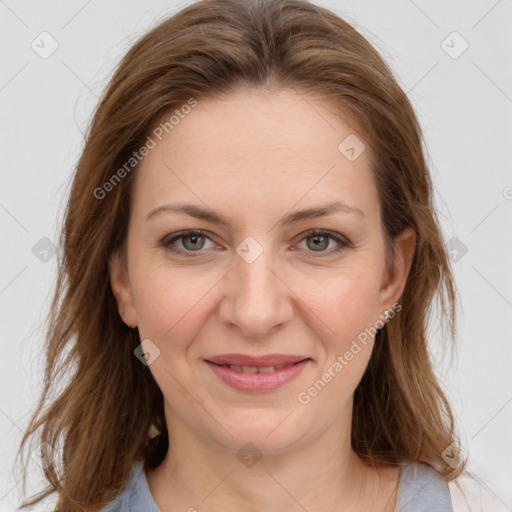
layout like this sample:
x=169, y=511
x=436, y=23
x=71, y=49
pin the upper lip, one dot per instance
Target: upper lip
x=260, y=361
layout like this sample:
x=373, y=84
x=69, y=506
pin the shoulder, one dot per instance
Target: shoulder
x=422, y=489
x=135, y=495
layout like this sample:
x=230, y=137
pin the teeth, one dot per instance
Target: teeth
x=258, y=369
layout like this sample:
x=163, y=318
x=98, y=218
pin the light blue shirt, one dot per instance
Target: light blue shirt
x=420, y=489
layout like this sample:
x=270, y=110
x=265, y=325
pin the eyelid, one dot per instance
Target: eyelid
x=343, y=242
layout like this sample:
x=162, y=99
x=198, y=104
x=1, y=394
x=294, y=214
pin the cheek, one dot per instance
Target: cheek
x=348, y=307
x=347, y=304
x=174, y=303
x=170, y=301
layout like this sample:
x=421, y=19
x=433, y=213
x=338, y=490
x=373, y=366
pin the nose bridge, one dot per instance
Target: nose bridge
x=256, y=297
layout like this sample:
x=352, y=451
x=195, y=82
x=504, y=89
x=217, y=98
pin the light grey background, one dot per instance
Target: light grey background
x=464, y=105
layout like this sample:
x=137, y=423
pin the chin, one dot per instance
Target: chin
x=270, y=436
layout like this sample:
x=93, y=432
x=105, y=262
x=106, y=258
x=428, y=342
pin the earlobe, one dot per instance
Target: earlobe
x=122, y=290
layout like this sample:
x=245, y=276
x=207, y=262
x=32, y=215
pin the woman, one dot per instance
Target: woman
x=250, y=258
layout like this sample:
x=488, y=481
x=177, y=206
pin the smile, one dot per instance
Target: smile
x=254, y=369
x=257, y=379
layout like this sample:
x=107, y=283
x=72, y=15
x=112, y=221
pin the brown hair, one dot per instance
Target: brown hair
x=102, y=415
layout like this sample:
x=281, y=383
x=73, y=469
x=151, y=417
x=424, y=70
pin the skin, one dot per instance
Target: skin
x=252, y=159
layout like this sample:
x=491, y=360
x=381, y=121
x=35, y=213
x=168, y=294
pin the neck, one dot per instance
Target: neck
x=199, y=473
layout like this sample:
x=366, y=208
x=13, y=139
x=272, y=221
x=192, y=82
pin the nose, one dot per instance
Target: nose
x=257, y=299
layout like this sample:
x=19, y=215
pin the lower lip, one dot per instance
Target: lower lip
x=257, y=382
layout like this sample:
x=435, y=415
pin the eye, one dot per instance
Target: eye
x=191, y=241
x=317, y=240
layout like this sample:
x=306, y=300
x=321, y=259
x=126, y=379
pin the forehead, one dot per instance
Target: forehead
x=256, y=150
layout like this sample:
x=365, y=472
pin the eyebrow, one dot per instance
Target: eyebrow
x=199, y=212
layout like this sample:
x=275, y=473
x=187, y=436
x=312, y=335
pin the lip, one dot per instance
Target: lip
x=258, y=382
x=264, y=360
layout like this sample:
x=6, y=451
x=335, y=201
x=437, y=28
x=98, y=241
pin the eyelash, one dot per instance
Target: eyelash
x=344, y=244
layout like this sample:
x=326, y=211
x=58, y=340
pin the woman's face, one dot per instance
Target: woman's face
x=257, y=284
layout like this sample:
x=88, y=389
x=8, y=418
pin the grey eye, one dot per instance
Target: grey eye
x=319, y=242
x=196, y=242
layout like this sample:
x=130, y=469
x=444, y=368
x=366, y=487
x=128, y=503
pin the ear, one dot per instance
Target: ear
x=395, y=277
x=121, y=288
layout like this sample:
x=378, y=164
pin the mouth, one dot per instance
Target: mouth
x=255, y=369
x=263, y=361
x=255, y=377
